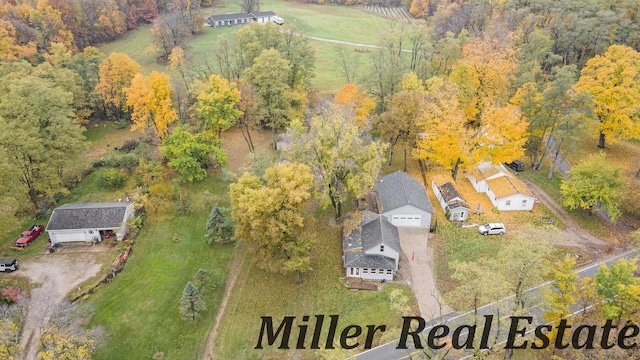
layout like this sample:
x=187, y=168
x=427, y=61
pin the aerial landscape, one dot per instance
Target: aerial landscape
x=319, y=179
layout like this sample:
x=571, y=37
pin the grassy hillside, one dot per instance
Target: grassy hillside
x=332, y=22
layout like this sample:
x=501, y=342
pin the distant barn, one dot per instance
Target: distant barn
x=244, y=18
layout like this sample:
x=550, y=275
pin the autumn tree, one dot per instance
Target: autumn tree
x=619, y=289
x=250, y=6
x=151, y=103
x=116, y=73
x=56, y=344
x=341, y=155
x=41, y=133
x=180, y=22
x=593, y=182
x=189, y=154
x=9, y=336
x=349, y=62
x=356, y=101
x=612, y=83
x=564, y=287
x=399, y=121
x=269, y=216
x=252, y=112
x=452, y=139
x=550, y=112
x=191, y=303
x=269, y=77
x=216, y=105
x=254, y=39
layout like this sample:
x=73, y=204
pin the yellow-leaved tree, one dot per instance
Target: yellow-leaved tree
x=449, y=138
x=116, y=73
x=150, y=101
x=612, y=84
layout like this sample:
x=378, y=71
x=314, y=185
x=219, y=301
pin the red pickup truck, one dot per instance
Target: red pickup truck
x=29, y=235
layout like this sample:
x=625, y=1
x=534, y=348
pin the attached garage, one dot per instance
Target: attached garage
x=89, y=222
x=403, y=200
x=406, y=220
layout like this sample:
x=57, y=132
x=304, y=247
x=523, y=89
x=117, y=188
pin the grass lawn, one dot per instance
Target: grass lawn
x=258, y=293
x=139, y=309
x=333, y=22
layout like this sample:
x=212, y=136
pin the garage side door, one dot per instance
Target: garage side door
x=406, y=220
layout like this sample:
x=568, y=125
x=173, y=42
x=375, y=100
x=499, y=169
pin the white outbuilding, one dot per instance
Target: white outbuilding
x=89, y=222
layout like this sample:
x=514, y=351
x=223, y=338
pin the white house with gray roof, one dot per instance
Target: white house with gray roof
x=371, y=247
x=88, y=222
x=261, y=17
x=403, y=200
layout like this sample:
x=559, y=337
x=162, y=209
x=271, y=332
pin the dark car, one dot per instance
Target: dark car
x=516, y=165
x=8, y=265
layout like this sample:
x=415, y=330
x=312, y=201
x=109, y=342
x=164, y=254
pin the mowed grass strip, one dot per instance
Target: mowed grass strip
x=258, y=293
x=139, y=309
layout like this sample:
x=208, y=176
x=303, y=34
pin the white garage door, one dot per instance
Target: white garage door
x=406, y=220
x=68, y=236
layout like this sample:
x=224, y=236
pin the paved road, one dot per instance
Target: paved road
x=499, y=325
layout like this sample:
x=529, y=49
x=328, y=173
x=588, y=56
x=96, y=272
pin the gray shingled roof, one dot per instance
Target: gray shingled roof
x=360, y=259
x=374, y=230
x=380, y=232
x=451, y=196
x=263, y=13
x=108, y=215
x=399, y=189
x=224, y=17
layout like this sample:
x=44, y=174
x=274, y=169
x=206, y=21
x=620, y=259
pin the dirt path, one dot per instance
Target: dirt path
x=573, y=235
x=57, y=274
x=233, y=276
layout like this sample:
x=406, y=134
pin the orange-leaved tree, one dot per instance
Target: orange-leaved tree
x=356, y=100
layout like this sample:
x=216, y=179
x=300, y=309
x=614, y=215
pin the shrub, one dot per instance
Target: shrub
x=129, y=162
x=112, y=178
x=129, y=146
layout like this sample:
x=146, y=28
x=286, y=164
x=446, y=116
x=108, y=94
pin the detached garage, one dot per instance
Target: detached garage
x=89, y=222
x=403, y=200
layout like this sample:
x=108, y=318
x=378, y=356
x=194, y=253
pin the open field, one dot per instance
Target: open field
x=139, y=308
x=331, y=22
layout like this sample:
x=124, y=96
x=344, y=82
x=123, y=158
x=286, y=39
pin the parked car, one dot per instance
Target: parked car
x=8, y=265
x=29, y=235
x=492, y=229
x=516, y=165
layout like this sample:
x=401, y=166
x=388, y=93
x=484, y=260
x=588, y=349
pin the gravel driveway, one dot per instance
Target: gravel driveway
x=57, y=274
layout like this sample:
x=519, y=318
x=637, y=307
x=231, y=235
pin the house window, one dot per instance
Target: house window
x=381, y=248
x=389, y=271
x=365, y=270
x=380, y=271
x=508, y=202
x=351, y=271
x=524, y=202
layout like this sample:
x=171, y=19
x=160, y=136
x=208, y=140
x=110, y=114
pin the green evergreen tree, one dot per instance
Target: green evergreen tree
x=191, y=303
x=219, y=228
